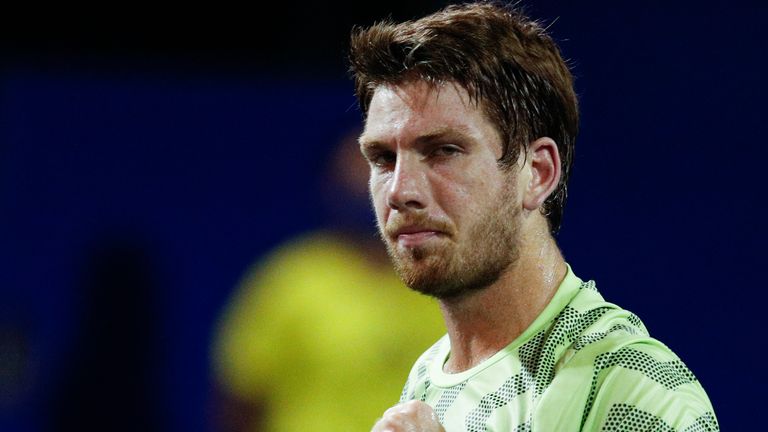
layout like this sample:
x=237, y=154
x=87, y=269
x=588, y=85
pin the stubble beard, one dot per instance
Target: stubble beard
x=452, y=270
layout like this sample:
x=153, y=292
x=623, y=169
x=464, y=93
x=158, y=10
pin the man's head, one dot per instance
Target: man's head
x=470, y=121
x=506, y=62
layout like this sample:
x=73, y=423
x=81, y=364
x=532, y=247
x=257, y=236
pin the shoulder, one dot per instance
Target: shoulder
x=631, y=381
x=612, y=374
x=588, y=325
x=643, y=382
x=627, y=382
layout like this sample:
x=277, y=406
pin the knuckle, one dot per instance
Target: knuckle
x=412, y=406
x=384, y=425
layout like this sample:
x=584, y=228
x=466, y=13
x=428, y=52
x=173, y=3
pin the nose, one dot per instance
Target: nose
x=408, y=185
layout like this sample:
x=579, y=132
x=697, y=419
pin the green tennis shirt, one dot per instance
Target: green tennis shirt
x=583, y=365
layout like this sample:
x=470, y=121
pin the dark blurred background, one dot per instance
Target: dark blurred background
x=148, y=157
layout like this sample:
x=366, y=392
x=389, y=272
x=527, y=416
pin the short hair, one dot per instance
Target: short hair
x=506, y=62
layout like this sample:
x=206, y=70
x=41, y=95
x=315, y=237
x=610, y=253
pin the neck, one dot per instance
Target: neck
x=482, y=323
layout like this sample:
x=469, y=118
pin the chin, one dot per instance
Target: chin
x=434, y=275
x=430, y=277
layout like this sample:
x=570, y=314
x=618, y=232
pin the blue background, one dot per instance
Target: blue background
x=187, y=153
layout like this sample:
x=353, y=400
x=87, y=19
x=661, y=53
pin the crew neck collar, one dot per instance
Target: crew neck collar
x=565, y=293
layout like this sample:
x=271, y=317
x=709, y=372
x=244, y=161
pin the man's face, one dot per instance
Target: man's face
x=447, y=212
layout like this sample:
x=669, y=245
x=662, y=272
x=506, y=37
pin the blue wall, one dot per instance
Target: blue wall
x=196, y=175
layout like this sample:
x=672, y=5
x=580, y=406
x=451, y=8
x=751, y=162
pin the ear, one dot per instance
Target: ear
x=544, y=163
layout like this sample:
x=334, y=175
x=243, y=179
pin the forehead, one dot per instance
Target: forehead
x=417, y=108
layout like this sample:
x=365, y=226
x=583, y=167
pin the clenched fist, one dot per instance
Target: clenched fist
x=412, y=416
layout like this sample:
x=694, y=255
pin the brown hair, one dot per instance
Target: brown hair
x=506, y=62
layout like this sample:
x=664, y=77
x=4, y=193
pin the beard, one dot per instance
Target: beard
x=452, y=270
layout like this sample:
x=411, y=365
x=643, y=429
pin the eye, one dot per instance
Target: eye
x=382, y=158
x=446, y=150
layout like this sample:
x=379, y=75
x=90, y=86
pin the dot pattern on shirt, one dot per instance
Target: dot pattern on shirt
x=427, y=360
x=705, y=423
x=420, y=374
x=524, y=427
x=539, y=355
x=627, y=418
x=512, y=387
x=591, y=338
x=670, y=374
x=538, y=359
x=423, y=396
x=447, y=399
x=635, y=321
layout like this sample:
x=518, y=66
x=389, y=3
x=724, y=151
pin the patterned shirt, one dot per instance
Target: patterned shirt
x=583, y=365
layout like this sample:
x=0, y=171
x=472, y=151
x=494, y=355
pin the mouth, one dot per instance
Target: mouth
x=412, y=236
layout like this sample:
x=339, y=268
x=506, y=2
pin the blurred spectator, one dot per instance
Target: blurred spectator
x=320, y=332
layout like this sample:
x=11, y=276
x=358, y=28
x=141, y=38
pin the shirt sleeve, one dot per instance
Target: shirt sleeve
x=646, y=387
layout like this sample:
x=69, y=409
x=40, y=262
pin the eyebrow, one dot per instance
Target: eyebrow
x=439, y=134
x=443, y=134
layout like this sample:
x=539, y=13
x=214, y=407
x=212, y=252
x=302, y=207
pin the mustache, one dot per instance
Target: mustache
x=419, y=220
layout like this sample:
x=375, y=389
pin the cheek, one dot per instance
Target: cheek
x=377, y=189
x=457, y=186
x=469, y=190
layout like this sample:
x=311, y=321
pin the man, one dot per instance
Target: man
x=471, y=119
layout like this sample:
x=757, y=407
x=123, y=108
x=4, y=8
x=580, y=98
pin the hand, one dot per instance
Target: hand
x=412, y=416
